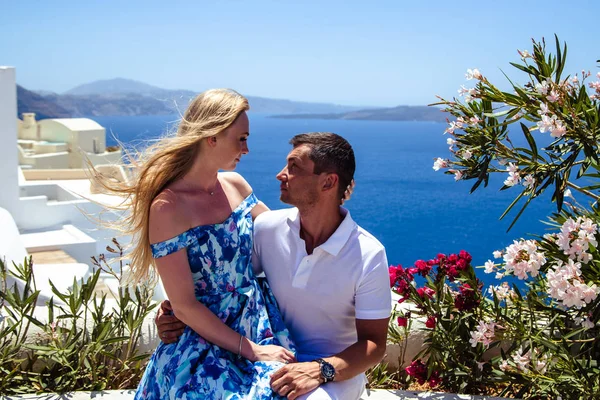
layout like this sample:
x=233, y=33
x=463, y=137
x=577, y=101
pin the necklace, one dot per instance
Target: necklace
x=210, y=192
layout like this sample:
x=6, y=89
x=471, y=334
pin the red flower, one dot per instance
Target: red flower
x=465, y=256
x=417, y=370
x=402, y=321
x=425, y=291
x=435, y=379
x=422, y=267
x=430, y=323
x=398, y=273
x=467, y=299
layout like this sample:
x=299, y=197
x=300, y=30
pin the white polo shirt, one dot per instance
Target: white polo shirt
x=321, y=295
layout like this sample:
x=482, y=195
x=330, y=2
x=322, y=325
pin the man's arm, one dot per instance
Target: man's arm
x=297, y=379
x=169, y=327
x=373, y=303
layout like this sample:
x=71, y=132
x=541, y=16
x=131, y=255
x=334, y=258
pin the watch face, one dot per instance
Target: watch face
x=328, y=370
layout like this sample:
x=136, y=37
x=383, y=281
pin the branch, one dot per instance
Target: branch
x=586, y=192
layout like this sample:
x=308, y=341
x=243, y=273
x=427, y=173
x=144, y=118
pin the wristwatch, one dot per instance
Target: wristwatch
x=327, y=370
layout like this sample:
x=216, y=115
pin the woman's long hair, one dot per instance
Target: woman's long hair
x=162, y=163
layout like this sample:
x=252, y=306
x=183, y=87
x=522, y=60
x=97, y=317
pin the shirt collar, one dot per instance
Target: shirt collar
x=337, y=240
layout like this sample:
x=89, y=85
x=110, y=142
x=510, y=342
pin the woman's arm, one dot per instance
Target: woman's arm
x=174, y=270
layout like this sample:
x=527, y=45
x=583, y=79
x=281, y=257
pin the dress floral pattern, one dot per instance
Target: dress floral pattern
x=220, y=260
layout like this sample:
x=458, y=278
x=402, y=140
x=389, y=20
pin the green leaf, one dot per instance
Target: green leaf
x=530, y=140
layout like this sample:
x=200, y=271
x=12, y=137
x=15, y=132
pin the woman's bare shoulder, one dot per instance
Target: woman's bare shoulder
x=166, y=217
x=236, y=180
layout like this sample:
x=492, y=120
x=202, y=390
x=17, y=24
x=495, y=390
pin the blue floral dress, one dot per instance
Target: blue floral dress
x=220, y=260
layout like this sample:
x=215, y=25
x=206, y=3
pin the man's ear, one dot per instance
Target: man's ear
x=331, y=181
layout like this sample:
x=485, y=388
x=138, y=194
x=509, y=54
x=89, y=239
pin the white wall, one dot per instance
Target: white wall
x=47, y=161
x=9, y=181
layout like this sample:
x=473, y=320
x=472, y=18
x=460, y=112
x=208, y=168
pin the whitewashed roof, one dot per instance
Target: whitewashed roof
x=78, y=124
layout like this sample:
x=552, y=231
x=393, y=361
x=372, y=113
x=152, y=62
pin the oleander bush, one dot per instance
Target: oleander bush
x=534, y=334
x=86, y=342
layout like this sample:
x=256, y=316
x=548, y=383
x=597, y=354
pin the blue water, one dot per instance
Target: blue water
x=413, y=210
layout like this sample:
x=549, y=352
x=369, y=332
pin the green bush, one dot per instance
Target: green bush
x=538, y=339
x=85, y=344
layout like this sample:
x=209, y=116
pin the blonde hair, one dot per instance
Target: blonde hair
x=162, y=163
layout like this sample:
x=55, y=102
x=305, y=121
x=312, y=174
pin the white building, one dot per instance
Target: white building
x=51, y=214
x=63, y=143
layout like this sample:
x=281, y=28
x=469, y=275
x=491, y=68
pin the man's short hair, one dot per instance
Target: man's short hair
x=331, y=153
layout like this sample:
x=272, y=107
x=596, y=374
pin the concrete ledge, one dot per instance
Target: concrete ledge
x=376, y=394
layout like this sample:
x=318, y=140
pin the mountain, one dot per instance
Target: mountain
x=127, y=96
x=28, y=101
x=399, y=113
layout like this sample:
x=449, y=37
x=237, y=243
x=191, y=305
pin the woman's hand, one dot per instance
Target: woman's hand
x=349, y=191
x=270, y=352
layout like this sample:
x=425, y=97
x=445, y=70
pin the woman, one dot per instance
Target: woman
x=193, y=225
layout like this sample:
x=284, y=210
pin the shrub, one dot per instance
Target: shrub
x=536, y=337
x=85, y=344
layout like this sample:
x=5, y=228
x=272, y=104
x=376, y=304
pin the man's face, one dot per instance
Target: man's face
x=299, y=183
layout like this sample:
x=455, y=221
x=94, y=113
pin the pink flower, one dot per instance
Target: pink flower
x=402, y=321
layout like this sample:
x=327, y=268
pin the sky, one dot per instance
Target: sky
x=372, y=53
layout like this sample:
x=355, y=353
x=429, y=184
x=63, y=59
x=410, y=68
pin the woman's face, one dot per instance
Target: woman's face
x=232, y=143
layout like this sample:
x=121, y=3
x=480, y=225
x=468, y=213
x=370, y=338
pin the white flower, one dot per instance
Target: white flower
x=588, y=324
x=565, y=285
x=512, y=167
x=484, y=334
x=458, y=124
x=466, y=154
x=473, y=73
x=458, y=175
x=463, y=90
x=450, y=141
x=542, y=88
x=543, y=109
x=529, y=181
x=499, y=275
x=439, y=163
x=547, y=123
x=575, y=238
x=513, y=179
x=522, y=360
x=523, y=259
x=558, y=130
x=553, y=96
x=474, y=120
x=568, y=193
x=497, y=254
x=524, y=54
x=489, y=266
x=504, y=366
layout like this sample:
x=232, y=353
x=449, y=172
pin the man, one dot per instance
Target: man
x=329, y=276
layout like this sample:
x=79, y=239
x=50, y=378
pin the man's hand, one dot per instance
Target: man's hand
x=169, y=327
x=296, y=379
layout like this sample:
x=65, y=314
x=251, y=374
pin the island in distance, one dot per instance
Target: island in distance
x=399, y=113
x=120, y=96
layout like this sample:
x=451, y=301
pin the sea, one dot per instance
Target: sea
x=413, y=210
